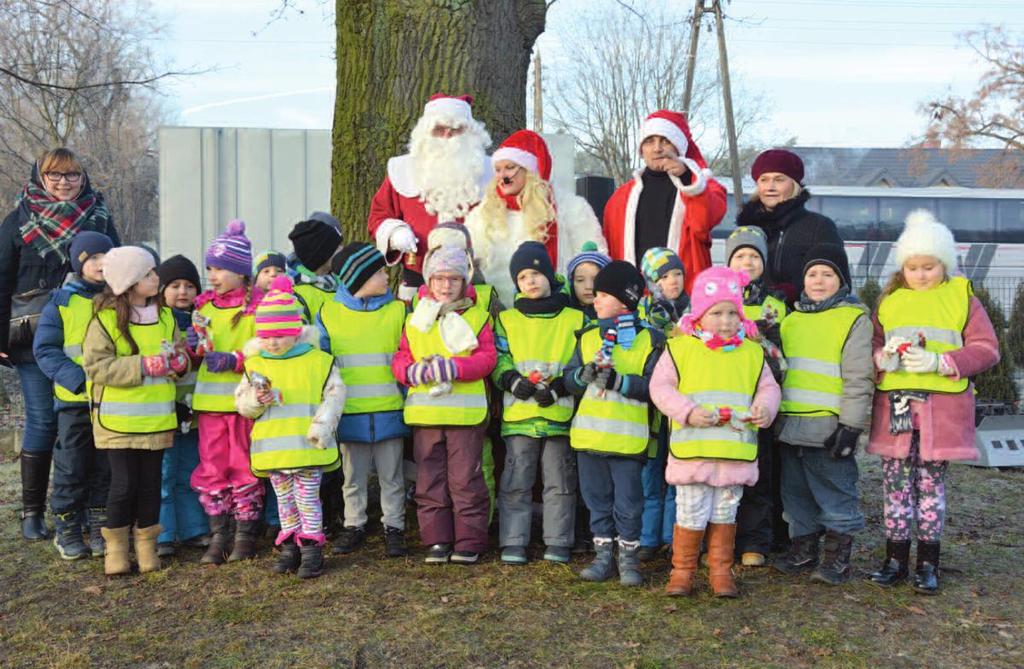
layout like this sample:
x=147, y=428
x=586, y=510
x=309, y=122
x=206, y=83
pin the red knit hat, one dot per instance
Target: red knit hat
x=673, y=127
x=778, y=160
x=528, y=149
x=450, y=106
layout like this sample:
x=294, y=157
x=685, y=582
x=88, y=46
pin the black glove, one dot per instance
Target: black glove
x=549, y=394
x=516, y=384
x=183, y=412
x=609, y=379
x=843, y=442
x=586, y=374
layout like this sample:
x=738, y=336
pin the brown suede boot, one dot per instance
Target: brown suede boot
x=721, y=547
x=685, y=549
x=145, y=548
x=115, y=557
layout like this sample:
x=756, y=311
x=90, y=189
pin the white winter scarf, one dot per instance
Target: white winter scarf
x=456, y=334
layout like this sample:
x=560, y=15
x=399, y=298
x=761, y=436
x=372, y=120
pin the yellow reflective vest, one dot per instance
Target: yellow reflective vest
x=279, y=435
x=363, y=344
x=312, y=299
x=466, y=404
x=543, y=345
x=940, y=314
x=755, y=312
x=142, y=409
x=715, y=378
x=607, y=421
x=216, y=391
x=813, y=343
x=75, y=317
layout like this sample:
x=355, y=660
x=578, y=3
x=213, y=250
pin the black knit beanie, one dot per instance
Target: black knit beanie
x=532, y=255
x=178, y=267
x=621, y=280
x=355, y=264
x=315, y=242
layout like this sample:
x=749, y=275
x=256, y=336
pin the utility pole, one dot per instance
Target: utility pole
x=700, y=8
x=538, y=101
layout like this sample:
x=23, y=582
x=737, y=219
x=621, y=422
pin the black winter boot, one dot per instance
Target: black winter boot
x=802, y=555
x=394, y=542
x=835, y=563
x=217, y=551
x=926, y=577
x=312, y=564
x=246, y=533
x=68, y=538
x=348, y=540
x=35, y=479
x=894, y=569
x=288, y=558
x=97, y=519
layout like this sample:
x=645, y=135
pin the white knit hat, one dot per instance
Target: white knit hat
x=925, y=236
x=125, y=266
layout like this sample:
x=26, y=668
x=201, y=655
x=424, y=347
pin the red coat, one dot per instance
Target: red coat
x=397, y=201
x=700, y=207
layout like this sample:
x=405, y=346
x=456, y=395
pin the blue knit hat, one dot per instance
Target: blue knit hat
x=588, y=253
x=532, y=255
x=86, y=244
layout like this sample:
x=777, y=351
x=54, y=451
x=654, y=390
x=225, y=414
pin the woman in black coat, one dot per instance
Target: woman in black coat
x=57, y=203
x=777, y=207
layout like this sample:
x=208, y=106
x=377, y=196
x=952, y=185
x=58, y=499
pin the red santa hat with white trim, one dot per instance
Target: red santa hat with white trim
x=673, y=127
x=528, y=149
x=453, y=107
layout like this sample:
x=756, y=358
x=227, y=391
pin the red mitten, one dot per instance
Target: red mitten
x=155, y=365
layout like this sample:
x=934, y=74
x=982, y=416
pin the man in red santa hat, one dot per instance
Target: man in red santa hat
x=521, y=204
x=672, y=202
x=439, y=180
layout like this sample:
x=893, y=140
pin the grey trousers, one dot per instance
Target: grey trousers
x=386, y=457
x=515, y=492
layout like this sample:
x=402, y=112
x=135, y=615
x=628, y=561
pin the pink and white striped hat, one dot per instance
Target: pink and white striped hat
x=278, y=313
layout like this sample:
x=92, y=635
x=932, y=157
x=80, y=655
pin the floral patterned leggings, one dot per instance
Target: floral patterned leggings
x=914, y=490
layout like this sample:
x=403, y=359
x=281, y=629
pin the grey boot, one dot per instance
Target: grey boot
x=603, y=566
x=217, y=551
x=629, y=563
x=97, y=519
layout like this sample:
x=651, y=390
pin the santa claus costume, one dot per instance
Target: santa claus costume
x=440, y=179
x=698, y=207
x=515, y=209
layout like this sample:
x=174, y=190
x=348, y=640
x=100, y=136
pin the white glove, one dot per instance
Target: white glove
x=402, y=239
x=890, y=359
x=920, y=361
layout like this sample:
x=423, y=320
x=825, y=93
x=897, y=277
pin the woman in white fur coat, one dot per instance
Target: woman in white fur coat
x=519, y=205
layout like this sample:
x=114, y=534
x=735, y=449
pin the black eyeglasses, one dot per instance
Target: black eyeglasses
x=70, y=177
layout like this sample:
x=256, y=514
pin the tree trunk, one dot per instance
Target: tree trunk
x=394, y=54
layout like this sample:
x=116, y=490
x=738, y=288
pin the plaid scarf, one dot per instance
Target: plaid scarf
x=52, y=223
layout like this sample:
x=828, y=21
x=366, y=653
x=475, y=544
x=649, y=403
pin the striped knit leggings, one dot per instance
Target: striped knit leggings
x=298, y=504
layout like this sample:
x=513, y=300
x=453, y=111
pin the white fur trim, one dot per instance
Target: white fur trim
x=923, y=235
x=666, y=129
x=383, y=236
x=401, y=177
x=451, y=107
x=577, y=225
x=325, y=422
x=517, y=156
x=675, y=226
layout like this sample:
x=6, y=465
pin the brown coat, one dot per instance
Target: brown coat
x=105, y=368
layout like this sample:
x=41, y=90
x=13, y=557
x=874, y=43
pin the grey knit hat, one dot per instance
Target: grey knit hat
x=746, y=236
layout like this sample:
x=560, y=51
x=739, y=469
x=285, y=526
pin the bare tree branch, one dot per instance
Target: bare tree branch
x=102, y=84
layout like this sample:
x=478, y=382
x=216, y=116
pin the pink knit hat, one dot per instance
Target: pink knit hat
x=714, y=285
x=278, y=313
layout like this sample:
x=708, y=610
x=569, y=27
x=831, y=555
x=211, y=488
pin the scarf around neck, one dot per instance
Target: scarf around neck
x=808, y=306
x=52, y=223
x=553, y=303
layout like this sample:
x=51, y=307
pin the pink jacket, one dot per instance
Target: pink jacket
x=676, y=406
x=477, y=365
x=946, y=422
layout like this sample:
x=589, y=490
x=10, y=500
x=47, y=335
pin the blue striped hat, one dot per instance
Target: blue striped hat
x=355, y=264
x=588, y=253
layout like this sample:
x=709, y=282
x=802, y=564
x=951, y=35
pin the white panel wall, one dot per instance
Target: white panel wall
x=271, y=179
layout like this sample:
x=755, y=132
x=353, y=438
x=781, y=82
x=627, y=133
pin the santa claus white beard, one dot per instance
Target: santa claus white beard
x=448, y=172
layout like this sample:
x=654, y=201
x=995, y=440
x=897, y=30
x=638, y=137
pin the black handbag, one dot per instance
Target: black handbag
x=25, y=311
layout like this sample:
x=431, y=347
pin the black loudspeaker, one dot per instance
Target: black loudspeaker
x=596, y=191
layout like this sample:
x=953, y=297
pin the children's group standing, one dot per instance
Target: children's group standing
x=717, y=419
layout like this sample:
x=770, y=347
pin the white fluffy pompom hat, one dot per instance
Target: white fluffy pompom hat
x=924, y=236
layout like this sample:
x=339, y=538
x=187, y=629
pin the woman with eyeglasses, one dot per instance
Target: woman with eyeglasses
x=56, y=203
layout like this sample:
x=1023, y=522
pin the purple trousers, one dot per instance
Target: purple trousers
x=451, y=496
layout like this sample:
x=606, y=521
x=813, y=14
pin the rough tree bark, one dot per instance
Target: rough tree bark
x=393, y=54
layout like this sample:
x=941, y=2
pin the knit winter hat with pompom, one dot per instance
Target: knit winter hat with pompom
x=925, y=236
x=278, y=313
x=232, y=250
x=714, y=285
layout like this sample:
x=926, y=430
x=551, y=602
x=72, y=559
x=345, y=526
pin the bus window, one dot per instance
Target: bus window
x=1010, y=221
x=856, y=217
x=892, y=212
x=970, y=220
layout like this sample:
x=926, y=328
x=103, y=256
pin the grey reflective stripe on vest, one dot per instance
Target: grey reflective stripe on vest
x=293, y=442
x=154, y=380
x=716, y=433
x=721, y=397
x=136, y=409
x=623, y=428
x=527, y=367
x=187, y=380
x=941, y=335
x=814, y=366
x=73, y=351
x=451, y=400
x=215, y=388
x=508, y=399
x=364, y=360
x=275, y=412
x=371, y=390
x=815, y=397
